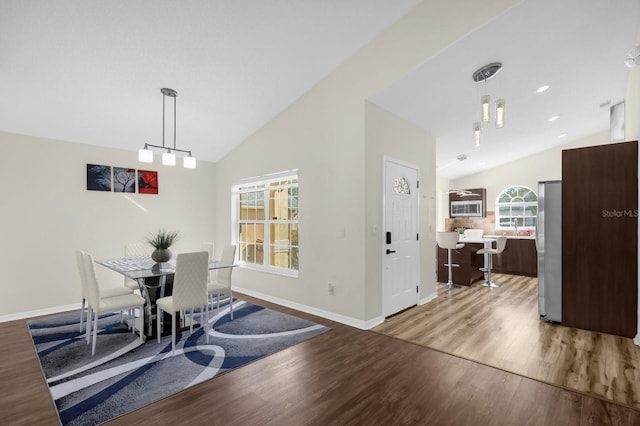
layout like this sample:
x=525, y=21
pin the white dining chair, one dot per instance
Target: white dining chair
x=222, y=284
x=99, y=304
x=106, y=292
x=189, y=291
x=208, y=247
x=136, y=250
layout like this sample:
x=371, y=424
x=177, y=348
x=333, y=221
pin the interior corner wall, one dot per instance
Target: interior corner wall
x=322, y=134
x=391, y=136
x=48, y=214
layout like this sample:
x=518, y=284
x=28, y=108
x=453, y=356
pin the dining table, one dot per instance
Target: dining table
x=155, y=280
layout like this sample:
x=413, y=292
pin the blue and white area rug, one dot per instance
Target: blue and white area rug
x=125, y=375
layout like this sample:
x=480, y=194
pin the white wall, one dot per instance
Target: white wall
x=443, y=185
x=323, y=135
x=390, y=135
x=47, y=214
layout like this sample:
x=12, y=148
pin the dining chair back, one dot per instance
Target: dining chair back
x=228, y=256
x=109, y=300
x=223, y=283
x=189, y=292
x=136, y=250
x=190, y=281
x=208, y=247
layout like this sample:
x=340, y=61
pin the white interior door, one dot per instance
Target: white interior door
x=400, y=248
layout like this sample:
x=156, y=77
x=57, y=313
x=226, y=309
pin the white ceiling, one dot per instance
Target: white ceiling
x=577, y=47
x=91, y=71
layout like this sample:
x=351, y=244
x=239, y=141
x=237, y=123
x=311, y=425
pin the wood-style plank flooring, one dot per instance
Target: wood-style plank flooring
x=500, y=327
x=343, y=377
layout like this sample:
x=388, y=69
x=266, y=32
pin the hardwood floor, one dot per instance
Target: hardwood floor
x=343, y=377
x=500, y=328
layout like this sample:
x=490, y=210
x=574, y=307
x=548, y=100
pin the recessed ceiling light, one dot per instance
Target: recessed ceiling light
x=554, y=118
x=542, y=88
x=563, y=135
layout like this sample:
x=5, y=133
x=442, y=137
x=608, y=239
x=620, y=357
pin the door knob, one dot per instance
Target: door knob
x=390, y=251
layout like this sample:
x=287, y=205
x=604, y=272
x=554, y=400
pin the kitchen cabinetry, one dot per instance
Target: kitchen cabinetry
x=470, y=263
x=519, y=257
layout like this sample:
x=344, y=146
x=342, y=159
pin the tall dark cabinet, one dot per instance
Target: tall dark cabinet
x=600, y=238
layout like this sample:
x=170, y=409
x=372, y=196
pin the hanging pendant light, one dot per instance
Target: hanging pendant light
x=145, y=155
x=485, y=101
x=500, y=113
x=482, y=75
x=476, y=130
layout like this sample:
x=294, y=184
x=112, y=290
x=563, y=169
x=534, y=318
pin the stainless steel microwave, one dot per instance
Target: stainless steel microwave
x=466, y=208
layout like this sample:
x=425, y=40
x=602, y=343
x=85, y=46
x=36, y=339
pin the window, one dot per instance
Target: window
x=265, y=214
x=516, y=204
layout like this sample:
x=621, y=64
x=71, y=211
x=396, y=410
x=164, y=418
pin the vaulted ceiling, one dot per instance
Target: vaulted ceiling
x=91, y=72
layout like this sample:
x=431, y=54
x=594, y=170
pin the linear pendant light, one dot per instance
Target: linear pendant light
x=145, y=155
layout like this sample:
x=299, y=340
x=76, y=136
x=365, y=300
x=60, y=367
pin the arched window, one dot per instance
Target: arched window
x=517, y=204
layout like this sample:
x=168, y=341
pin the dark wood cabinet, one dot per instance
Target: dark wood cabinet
x=519, y=257
x=600, y=238
x=469, y=263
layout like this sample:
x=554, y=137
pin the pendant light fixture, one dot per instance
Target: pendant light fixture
x=483, y=75
x=145, y=155
x=477, y=126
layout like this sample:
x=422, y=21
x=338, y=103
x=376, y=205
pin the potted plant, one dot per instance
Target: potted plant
x=161, y=241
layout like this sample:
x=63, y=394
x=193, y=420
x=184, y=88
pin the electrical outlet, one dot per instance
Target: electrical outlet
x=331, y=289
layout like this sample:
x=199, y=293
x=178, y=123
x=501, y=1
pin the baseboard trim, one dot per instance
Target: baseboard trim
x=427, y=299
x=39, y=312
x=362, y=325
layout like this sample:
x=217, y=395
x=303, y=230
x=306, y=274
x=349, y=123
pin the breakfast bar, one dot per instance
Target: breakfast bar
x=518, y=258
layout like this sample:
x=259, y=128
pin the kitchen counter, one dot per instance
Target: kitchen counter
x=514, y=237
x=469, y=263
x=520, y=256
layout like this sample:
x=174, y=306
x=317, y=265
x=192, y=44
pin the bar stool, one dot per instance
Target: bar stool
x=501, y=242
x=449, y=241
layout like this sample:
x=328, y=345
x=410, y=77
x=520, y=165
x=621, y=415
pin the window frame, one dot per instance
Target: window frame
x=523, y=204
x=264, y=184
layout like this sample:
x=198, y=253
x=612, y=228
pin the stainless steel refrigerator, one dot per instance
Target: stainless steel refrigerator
x=549, y=245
